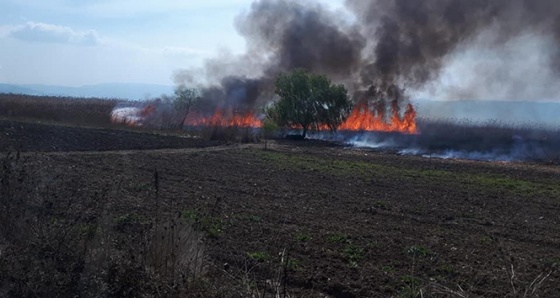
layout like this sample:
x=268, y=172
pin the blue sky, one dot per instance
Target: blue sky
x=79, y=42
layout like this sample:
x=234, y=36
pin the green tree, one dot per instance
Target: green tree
x=269, y=128
x=310, y=102
x=185, y=99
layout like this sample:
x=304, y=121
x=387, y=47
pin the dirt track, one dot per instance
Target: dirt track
x=355, y=223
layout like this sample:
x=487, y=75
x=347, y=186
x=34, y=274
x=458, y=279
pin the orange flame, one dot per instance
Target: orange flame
x=362, y=118
x=219, y=118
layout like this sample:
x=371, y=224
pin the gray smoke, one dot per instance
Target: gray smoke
x=390, y=49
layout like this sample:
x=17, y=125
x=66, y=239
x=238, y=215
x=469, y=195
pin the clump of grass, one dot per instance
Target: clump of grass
x=353, y=254
x=259, y=256
x=487, y=240
x=303, y=237
x=418, y=251
x=338, y=238
x=213, y=226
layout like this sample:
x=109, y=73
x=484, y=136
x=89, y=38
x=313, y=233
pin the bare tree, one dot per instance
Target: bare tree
x=185, y=99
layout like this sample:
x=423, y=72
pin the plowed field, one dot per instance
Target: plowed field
x=352, y=223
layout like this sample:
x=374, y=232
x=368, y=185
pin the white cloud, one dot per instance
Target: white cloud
x=120, y=8
x=41, y=32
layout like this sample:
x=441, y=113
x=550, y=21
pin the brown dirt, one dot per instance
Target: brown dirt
x=354, y=223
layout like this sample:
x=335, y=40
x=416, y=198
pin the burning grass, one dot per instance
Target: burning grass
x=367, y=126
x=467, y=140
x=364, y=117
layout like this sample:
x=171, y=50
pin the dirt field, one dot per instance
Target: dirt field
x=352, y=223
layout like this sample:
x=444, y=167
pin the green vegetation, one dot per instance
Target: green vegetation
x=213, y=226
x=309, y=101
x=190, y=215
x=338, y=238
x=303, y=237
x=389, y=269
x=447, y=269
x=259, y=256
x=418, y=251
x=412, y=287
x=380, y=205
x=353, y=254
x=486, y=240
x=368, y=170
x=129, y=218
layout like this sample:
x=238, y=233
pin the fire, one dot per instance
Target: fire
x=362, y=118
x=128, y=116
x=220, y=118
x=132, y=116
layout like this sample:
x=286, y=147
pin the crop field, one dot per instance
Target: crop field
x=168, y=216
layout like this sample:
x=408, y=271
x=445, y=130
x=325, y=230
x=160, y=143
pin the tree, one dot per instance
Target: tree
x=309, y=101
x=269, y=127
x=185, y=99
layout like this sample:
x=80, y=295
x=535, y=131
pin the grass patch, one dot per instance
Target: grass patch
x=366, y=170
x=419, y=251
x=259, y=256
x=302, y=237
x=213, y=226
x=338, y=238
x=353, y=254
x=129, y=218
x=447, y=269
x=389, y=269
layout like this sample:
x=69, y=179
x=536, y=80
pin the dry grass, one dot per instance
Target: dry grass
x=66, y=110
x=67, y=244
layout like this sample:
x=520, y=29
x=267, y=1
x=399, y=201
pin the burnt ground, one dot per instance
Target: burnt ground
x=37, y=137
x=352, y=223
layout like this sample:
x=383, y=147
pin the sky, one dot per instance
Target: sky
x=78, y=42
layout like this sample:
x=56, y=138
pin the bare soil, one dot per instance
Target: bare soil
x=353, y=223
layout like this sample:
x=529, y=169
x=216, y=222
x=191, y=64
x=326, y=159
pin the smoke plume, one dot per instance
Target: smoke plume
x=389, y=49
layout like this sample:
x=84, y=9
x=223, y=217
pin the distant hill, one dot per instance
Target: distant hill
x=111, y=90
x=9, y=88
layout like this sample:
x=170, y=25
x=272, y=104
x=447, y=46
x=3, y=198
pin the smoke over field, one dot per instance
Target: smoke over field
x=387, y=52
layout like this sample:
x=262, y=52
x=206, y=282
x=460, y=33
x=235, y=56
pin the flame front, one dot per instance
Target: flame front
x=222, y=119
x=363, y=119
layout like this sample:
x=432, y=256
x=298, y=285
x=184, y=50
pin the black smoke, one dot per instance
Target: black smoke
x=379, y=48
